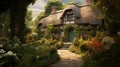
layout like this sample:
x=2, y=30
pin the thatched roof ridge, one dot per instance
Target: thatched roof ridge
x=53, y=18
x=74, y=7
x=84, y=14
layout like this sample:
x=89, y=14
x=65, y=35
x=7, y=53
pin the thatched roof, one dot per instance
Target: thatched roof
x=83, y=15
x=89, y=15
x=53, y=18
x=75, y=8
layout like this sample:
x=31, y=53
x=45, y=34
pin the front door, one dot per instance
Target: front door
x=70, y=35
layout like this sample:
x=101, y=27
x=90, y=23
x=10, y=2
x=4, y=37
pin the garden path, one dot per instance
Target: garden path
x=68, y=59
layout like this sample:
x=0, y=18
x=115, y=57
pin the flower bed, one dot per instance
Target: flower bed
x=103, y=52
x=15, y=54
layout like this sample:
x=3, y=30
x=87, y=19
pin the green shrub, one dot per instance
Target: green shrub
x=76, y=41
x=103, y=58
x=84, y=45
x=15, y=54
x=74, y=49
x=3, y=39
x=100, y=35
x=83, y=48
x=59, y=44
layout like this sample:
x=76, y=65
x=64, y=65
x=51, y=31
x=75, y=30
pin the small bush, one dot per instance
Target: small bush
x=59, y=44
x=74, y=49
x=76, y=41
x=103, y=58
x=83, y=48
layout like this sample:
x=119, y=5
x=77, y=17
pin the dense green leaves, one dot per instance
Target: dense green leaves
x=111, y=13
x=50, y=4
x=110, y=8
x=28, y=19
x=17, y=13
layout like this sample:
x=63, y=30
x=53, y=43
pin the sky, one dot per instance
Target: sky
x=38, y=6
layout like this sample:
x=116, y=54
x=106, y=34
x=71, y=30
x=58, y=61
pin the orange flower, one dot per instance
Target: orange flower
x=95, y=44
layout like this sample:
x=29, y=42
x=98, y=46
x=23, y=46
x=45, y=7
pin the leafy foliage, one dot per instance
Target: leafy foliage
x=31, y=55
x=28, y=19
x=49, y=31
x=107, y=54
x=103, y=58
x=50, y=4
x=111, y=13
x=48, y=8
x=17, y=14
x=79, y=45
x=49, y=42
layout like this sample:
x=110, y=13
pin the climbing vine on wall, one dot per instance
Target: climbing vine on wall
x=69, y=27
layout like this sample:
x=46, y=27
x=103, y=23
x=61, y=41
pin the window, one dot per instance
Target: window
x=69, y=17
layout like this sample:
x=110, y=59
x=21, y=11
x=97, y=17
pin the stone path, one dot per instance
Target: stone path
x=68, y=59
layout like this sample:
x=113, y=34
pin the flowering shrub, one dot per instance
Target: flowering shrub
x=79, y=45
x=107, y=41
x=49, y=42
x=100, y=35
x=108, y=58
x=95, y=45
x=15, y=54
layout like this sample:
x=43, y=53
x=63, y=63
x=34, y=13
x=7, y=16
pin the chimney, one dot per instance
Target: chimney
x=88, y=2
x=53, y=9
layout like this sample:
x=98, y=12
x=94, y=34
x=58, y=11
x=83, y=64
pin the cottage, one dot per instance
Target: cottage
x=81, y=17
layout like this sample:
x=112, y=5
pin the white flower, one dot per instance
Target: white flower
x=4, y=55
x=38, y=57
x=1, y=45
x=16, y=44
x=10, y=53
x=118, y=33
x=2, y=51
x=108, y=41
x=1, y=57
x=15, y=56
x=36, y=48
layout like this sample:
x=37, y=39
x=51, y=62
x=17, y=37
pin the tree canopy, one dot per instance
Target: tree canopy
x=111, y=13
x=57, y=3
x=110, y=8
x=17, y=13
x=52, y=3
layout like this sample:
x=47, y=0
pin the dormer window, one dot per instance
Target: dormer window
x=69, y=17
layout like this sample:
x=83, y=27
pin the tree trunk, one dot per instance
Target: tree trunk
x=17, y=25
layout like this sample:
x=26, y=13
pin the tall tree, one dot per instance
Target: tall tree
x=28, y=19
x=111, y=13
x=52, y=3
x=18, y=10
